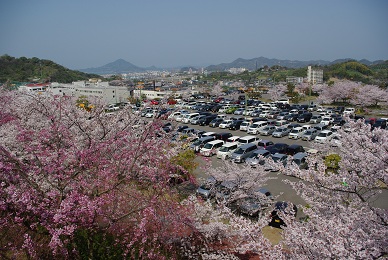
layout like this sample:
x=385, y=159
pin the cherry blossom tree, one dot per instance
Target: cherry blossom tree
x=217, y=90
x=277, y=92
x=370, y=95
x=343, y=221
x=340, y=91
x=77, y=183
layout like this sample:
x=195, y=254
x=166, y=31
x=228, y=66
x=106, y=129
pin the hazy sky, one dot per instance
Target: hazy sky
x=84, y=33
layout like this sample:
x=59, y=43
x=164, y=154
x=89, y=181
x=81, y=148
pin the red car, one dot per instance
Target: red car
x=154, y=102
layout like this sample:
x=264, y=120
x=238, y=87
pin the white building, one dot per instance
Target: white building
x=109, y=94
x=314, y=76
x=294, y=80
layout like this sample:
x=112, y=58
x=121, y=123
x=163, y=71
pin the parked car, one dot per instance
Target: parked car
x=323, y=136
x=223, y=136
x=216, y=122
x=199, y=143
x=256, y=158
x=280, y=123
x=224, y=191
x=233, y=139
x=326, y=120
x=226, y=150
x=245, y=125
x=277, y=158
x=296, y=133
x=281, y=132
x=267, y=130
x=211, y=148
x=206, y=120
x=282, y=115
x=264, y=144
x=300, y=160
x=349, y=111
x=181, y=127
x=256, y=127
x=315, y=119
x=207, y=189
x=243, y=152
x=195, y=120
x=235, y=125
x=248, y=139
x=277, y=148
x=380, y=123
x=294, y=149
x=320, y=127
x=226, y=123
x=305, y=117
x=310, y=134
x=291, y=117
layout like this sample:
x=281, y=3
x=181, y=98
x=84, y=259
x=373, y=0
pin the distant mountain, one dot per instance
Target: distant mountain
x=256, y=63
x=117, y=67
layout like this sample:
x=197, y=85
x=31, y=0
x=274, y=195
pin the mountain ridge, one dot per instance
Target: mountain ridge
x=121, y=66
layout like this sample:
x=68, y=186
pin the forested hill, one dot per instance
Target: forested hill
x=26, y=70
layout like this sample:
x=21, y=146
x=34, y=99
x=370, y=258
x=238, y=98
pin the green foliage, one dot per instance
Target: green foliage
x=185, y=159
x=351, y=70
x=34, y=69
x=332, y=162
x=92, y=245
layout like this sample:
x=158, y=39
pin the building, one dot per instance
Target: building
x=109, y=94
x=294, y=80
x=35, y=87
x=314, y=76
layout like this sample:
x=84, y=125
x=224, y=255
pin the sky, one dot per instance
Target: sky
x=82, y=34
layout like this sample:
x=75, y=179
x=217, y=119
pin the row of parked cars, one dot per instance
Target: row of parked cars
x=247, y=149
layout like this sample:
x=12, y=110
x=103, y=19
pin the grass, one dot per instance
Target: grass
x=274, y=235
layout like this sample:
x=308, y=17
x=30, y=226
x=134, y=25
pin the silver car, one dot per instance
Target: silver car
x=257, y=157
x=281, y=132
x=310, y=134
x=267, y=130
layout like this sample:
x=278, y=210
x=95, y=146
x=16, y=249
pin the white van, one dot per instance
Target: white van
x=248, y=139
x=245, y=125
x=211, y=148
x=256, y=127
x=296, y=133
x=186, y=118
x=281, y=123
x=226, y=150
x=233, y=139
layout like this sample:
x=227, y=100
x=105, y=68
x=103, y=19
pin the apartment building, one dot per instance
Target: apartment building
x=314, y=76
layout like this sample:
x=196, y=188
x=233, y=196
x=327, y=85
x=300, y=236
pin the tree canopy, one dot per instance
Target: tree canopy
x=33, y=69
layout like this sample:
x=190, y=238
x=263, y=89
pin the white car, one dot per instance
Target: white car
x=326, y=120
x=151, y=113
x=296, y=133
x=226, y=150
x=226, y=123
x=244, y=126
x=264, y=114
x=323, y=136
x=256, y=127
x=211, y=148
x=349, y=111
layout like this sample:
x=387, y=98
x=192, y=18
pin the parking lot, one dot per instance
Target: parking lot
x=278, y=188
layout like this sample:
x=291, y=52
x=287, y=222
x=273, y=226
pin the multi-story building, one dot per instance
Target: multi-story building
x=314, y=76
